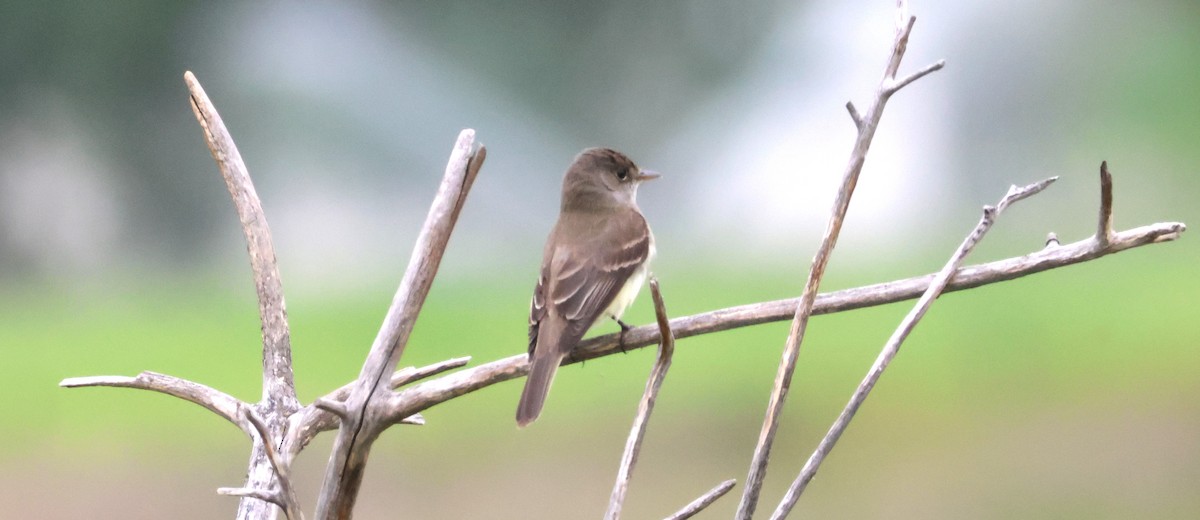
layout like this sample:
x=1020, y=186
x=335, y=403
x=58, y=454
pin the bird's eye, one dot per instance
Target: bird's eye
x=623, y=174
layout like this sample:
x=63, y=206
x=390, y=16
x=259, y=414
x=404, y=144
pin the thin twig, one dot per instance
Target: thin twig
x=787, y=365
x=410, y=375
x=705, y=500
x=1104, y=231
x=633, y=445
x=899, y=84
x=364, y=421
x=269, y=496
x=854, y=115
x=216, y=401
x=893, y=344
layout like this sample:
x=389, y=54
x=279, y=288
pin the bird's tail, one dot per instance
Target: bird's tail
x=541, y=374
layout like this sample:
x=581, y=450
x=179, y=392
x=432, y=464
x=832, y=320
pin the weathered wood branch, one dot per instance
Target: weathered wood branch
x=705, y=500
x=365, y=416
x=216, y=401
x=633, y=444
x=892, y=347
x=278, y=383
x=279, y=389
x=866, y=124
x=282, y=494
x=322, y=414
x=422, y=396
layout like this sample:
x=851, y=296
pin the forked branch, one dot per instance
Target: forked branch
x=892, y=347
x=866, y=125
x=366, y=405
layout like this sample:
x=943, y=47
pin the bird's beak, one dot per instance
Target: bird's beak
x=646, y=175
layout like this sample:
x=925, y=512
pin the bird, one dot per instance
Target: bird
x=593, y=265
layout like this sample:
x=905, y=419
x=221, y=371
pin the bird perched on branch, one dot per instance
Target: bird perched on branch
x=593, y=266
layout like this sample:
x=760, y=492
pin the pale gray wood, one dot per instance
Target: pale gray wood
x=892, y=347
x=705, y=500
x=365, y=419
x=637, y=432
x=866, y=125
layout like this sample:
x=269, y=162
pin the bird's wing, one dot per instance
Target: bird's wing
x=537, y=307
x=581, y=288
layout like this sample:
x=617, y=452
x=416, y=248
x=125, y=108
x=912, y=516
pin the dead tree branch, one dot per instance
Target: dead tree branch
x=422, y=396
x=216, y=401
x=704, y=501
x=279, y=428
x=366, y=414
x=866, y=125
x=282, y=494
x=633, y=445
x=278, y=385
x=279, y=389
x=322, y=414
x=892, y=347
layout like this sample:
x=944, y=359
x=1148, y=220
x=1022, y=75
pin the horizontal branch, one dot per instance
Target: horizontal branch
x=214, y=400
x=424, y=395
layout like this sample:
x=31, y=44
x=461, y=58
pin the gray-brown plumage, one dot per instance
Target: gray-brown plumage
x=593, y=266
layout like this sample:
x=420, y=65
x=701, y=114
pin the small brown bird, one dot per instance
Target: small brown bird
x=593, y=266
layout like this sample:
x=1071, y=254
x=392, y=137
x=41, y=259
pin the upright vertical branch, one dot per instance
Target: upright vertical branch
x=892, y=347
x=278, y=385
x=365, y=414
x=633, y=445
x=279, y=389
x=866, y=125
x=1104, y=230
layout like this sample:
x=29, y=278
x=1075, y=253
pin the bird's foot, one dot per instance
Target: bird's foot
x=621, y=336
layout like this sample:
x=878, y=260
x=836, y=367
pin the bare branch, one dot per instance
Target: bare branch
x=633, y=445
x=285, y=493
x=892, y=347
x=336, y=408
x=408, y=375
x=272, y=497
x=366, y=418
x=214, y=400
x=1104, y=231
x=279, y=389
x=429, y=393
x=787, y=365
x=854, y=115
x=704, y=501
x=314, y=419
x=1021, y=193
x=899, y=84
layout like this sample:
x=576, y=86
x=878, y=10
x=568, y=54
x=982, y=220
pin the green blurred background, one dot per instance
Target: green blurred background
x=1069, y=394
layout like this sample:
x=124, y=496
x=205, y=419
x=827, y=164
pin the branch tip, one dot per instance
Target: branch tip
x=1104, y=230
x=704, y=501
x=854, y=115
